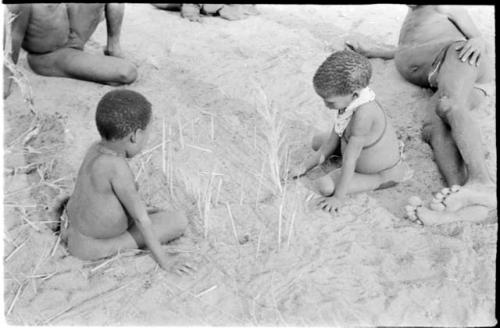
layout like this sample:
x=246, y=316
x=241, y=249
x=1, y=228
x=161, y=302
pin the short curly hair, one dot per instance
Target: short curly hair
x=342, y=73
x=120, y=112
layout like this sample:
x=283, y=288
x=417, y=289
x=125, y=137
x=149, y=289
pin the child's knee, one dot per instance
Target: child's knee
x=128, y=73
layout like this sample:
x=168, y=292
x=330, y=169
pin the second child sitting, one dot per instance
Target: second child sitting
x=362, y=134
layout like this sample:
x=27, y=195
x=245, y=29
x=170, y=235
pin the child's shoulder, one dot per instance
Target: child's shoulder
x=366, y=111
x=103, y=162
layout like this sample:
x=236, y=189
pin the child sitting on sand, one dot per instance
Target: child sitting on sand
x=105, y=214
x=371, y=153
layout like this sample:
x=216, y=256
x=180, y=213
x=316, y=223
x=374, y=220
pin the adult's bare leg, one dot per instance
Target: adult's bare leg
x=77, y=64
x=114, y=18
x=446, y=154
x=455, y=86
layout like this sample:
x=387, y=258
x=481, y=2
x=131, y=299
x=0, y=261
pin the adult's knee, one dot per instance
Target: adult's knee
x=447, y=106
x=127, y=74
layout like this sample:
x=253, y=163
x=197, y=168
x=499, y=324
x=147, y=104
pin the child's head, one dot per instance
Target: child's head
x=340, y=77
x=124, y=116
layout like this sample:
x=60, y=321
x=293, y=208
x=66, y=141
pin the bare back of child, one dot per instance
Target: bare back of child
x=105, y=213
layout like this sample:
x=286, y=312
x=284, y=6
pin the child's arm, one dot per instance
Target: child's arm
x=475, y=45
x=384, y=52
x=123, y=185
x=326, y=149
x=360, y=130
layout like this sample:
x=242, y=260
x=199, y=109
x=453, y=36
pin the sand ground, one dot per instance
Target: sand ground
x=264, y=257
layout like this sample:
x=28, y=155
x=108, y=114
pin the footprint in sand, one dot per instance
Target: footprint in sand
x=454, y=198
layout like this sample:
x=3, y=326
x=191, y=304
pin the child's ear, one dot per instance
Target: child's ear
x=133, y=137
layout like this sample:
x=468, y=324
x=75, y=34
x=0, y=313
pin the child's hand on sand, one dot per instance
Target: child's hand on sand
x=331, y=204
x=179, y=267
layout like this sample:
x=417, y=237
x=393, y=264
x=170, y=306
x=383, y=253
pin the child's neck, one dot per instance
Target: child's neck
x=114, y=148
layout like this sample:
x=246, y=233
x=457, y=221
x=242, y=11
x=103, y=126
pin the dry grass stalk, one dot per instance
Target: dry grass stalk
x=58, y=241
x=16, y=297
x=15, y=251
x=199, y=148
x=280, y=217
x=255, y=136
x=261, y=176
x=290, y=229
x=31, y=224
x=163, y=158
x=241, y=190
x=258, y=242
x=206, y=291
x=144, y=153
x=274, y=134
x=218, y=192
x=142, y=167
x=106, y=262
x=171, y=163
x=181, y=135
x=207, y=198
x=233, y=224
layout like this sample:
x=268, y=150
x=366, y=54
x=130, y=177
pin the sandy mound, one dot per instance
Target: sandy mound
x=265, y=257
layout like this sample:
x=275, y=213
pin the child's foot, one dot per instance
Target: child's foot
x=457, y=197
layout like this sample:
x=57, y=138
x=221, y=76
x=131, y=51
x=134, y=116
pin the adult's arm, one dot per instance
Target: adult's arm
x=18, y=20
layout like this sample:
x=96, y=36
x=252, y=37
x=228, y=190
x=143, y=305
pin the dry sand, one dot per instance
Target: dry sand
x=366, y=266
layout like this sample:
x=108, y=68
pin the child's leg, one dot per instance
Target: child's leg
x=167, y=225
x=325, y=185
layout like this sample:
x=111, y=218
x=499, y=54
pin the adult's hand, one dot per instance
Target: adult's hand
x=471, y=50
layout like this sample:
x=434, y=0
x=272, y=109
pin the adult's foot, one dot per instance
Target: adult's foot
x=457, y=197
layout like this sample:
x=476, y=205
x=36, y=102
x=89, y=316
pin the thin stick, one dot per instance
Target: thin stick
x=163, y=160
x=31, y=223
x=280, y=217
x=15, y=298
x=207, y=201
x=14, y=251
x=218, y=191
x=241, y=190
x=193, y=131
x=151, y=149
x=255, y=136
x=170, y=163
x=258, y=242
x=206, y=291
x=232, y=223
x=199, y=148
x=181, y=136
x=212, y=130
x=212, y=173
x=290, y=230
x=106, y=262
x=56, y=245
x=260, y=184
